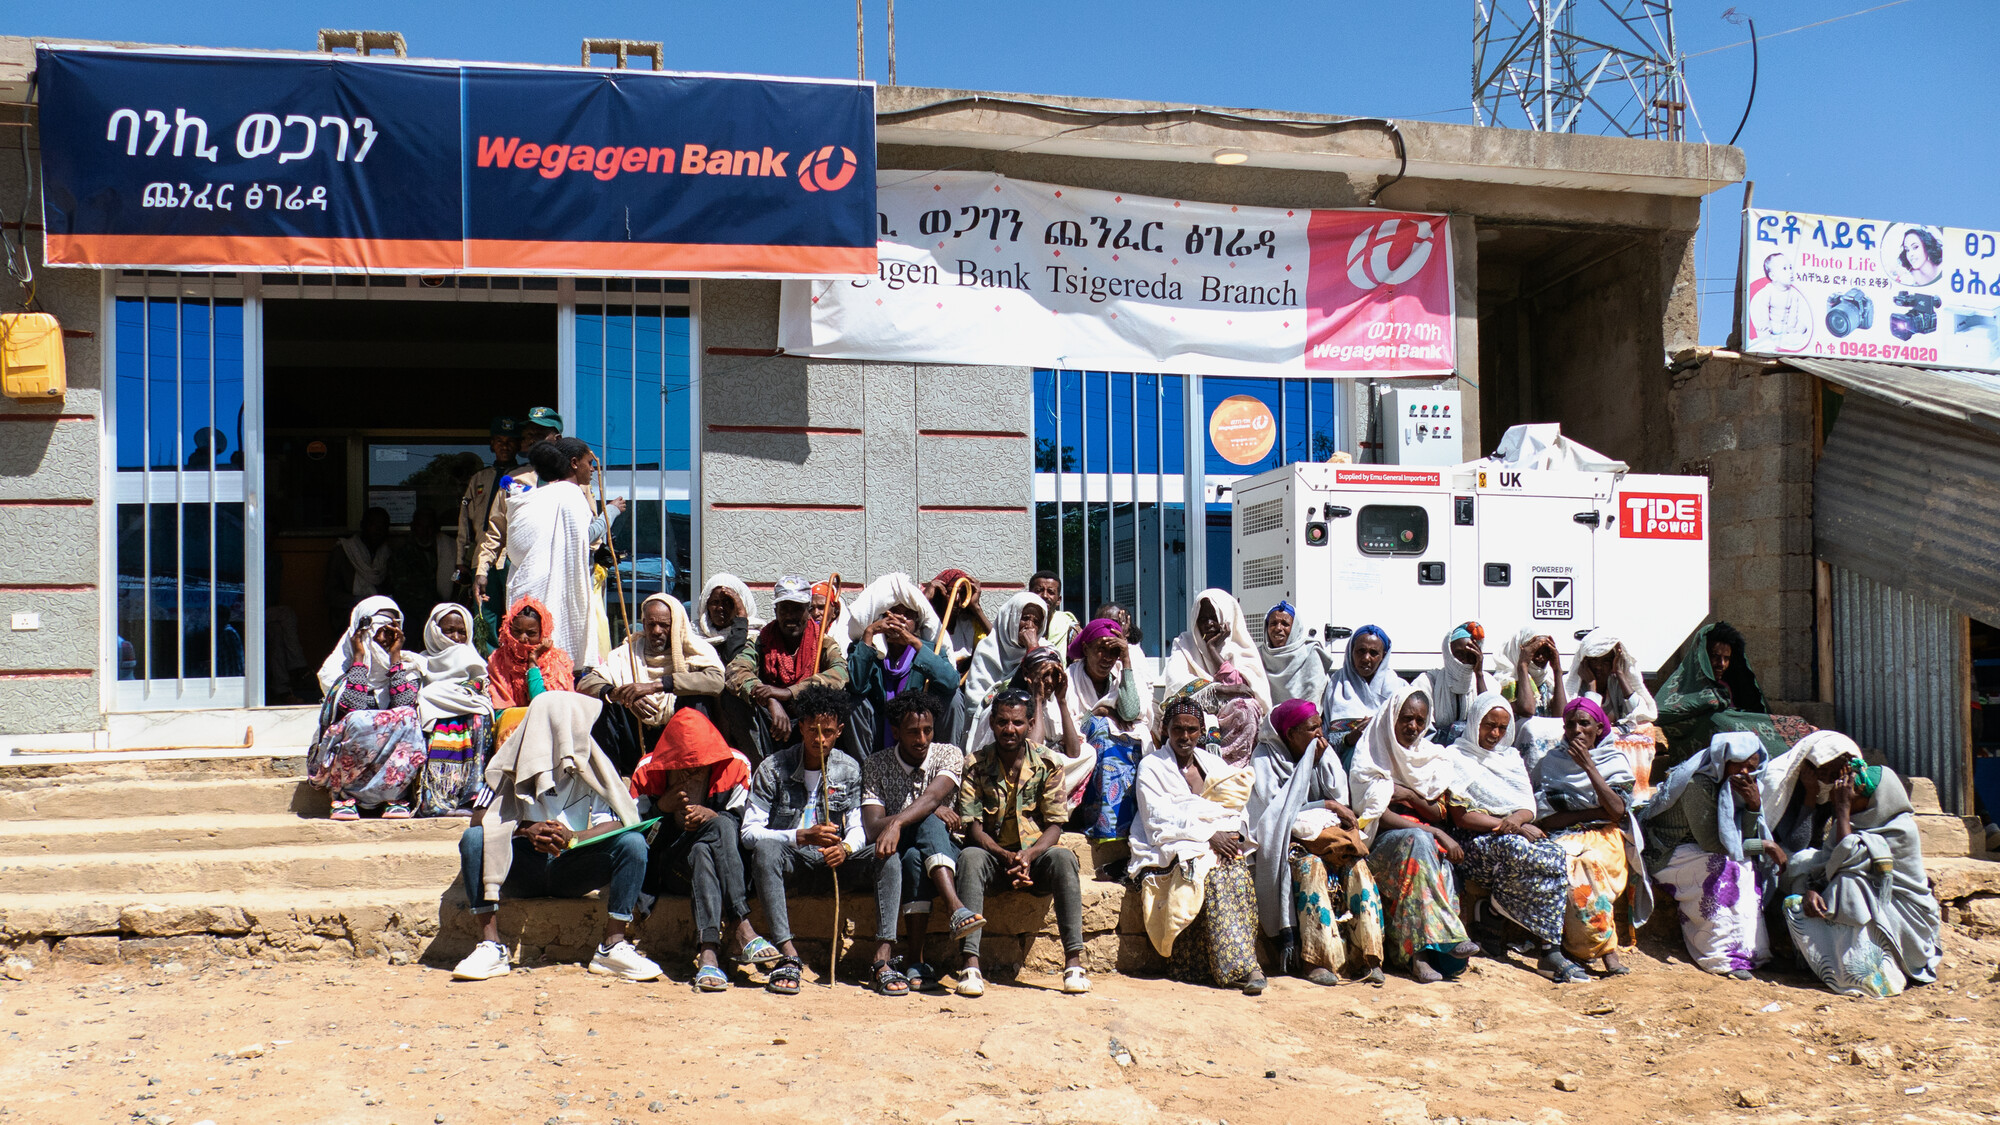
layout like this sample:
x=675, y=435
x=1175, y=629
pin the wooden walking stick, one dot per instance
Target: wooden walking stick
x=826, y=618
x=951, y=605
x=624, y=611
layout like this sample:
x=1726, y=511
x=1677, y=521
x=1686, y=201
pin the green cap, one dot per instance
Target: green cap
x=505, y=427
x=545, y=417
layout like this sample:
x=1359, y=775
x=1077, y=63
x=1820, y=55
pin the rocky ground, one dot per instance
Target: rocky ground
x=230, y=1040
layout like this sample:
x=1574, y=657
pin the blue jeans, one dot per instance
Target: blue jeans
x=618, y=864
x=905, y=876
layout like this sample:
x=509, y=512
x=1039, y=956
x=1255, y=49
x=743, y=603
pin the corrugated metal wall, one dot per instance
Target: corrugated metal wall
x=1900, y=680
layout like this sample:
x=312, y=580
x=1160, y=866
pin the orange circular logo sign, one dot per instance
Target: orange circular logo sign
x=1242, y=429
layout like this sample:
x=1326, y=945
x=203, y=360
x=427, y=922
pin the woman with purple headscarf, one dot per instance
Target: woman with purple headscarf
x=1113, y=709
x=1583, y=795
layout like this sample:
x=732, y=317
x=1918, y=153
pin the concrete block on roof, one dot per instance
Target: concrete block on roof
x=64, y=541
x=67, y=638
x=757, y=468
x=47, y=460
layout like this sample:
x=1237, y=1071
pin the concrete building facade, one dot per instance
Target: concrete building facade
x=1575, y=284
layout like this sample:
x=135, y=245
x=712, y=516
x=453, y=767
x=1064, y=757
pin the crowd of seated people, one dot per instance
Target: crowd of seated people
x=1285, y=804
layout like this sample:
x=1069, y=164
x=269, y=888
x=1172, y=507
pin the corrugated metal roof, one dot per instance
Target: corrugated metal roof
x=1908, y=498
x=1971, y=397
x=1899, y=680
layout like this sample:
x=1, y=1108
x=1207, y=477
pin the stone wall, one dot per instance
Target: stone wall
x=1747, y=425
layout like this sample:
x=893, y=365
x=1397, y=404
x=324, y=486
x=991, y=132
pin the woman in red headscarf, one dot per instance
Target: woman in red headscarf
x=527, y=663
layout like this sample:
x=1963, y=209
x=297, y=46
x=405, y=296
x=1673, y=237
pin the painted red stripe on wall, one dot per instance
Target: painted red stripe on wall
x=48, y=418
x=51, y=588
x=972, y=507
x=46, y=503
x=776, y=507
x=972, y=433
x=843, y=430
x=47, y=674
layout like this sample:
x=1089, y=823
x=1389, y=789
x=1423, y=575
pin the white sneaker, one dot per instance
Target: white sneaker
x=970, y=984
x=622, y=960
x=487, y=960
x=1075, y=981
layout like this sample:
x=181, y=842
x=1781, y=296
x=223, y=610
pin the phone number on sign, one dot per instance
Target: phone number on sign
x=1861, y=350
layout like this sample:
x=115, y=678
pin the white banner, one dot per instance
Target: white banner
x=1866, y=289
x=975, y=268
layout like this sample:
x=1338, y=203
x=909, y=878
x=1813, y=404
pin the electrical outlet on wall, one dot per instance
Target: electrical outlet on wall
x=27, y=622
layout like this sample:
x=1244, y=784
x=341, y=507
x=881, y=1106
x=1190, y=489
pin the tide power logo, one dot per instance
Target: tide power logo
x=1644, y=515
x=829, y=169
x=1368, y=255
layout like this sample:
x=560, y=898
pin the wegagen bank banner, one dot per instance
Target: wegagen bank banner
x=191, y=160
x=1892, y=292
x=976, y=268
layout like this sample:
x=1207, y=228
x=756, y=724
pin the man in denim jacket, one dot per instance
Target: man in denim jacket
x=797, y=798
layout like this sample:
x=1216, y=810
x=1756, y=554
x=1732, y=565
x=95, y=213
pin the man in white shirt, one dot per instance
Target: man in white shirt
x=804, y=817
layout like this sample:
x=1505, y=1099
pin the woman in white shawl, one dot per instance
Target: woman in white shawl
x=726, y=616
x=1533, y=676
x=1606, y=672
x=1400, y=779
x=1316, y=895
x=1191, y=857
x=1465, y=671
x=1492, y=805
x=1217, y=636
x=1705, y=836
x=455, y=712
x=1296, y=665
x=1856, y=903
x=642, y=681
x=369, y=748
x=548, y=544
x=1583, y=799
x=1016, y=629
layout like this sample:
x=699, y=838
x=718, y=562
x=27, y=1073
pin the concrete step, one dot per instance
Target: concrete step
x=416, y=860
x=40, y=773
x=111, y=799
x=208, y=832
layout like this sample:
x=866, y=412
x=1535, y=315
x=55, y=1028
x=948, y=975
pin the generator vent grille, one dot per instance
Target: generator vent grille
x=1267, y=516
x=1268, y=571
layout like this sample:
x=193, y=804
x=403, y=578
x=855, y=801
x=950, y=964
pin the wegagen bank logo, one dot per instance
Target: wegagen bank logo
x=828, y=169
x=1368, y=255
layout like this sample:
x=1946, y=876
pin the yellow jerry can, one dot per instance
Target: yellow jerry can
x=31, y=356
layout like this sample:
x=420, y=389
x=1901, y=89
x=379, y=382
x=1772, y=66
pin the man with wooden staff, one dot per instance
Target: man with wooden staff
x=793, y=652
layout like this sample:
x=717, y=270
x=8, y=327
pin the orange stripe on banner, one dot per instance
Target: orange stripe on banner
x=972, y=433
x=48, y=674
x=784, y=507
x=251, y=251
x=667, y=257
x=720, y=429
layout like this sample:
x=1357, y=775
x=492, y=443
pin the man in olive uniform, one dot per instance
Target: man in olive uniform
x=473, y=507
x=489, y=588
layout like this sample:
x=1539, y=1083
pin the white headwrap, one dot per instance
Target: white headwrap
x=1711, y=762
x=631, y=663
x=446, y=666
x=334, y=669
x=1348, y=696
x=1000, y=652
x=1381, y=763
x=1782, y=776
x=1626, y=701
x=1510, y=655
x=1453, y=685
x=1493, y=781
x=744, y=598
x=1193, y=658
x=890, y=590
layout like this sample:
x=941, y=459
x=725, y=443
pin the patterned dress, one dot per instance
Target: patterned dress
x=1419, y=897
x=1598, y=877
x=1527, y=879
x=367, y=751
x=1220, y=946
x=1339, y=914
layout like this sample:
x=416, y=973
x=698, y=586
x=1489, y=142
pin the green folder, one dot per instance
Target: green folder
x=583, y=842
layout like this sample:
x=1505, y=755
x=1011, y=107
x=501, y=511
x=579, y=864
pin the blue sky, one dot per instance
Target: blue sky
x=1880, y=116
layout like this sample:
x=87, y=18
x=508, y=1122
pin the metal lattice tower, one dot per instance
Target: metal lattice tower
x=1564, y=66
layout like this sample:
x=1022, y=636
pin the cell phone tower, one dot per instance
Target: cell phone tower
x=1568, y=66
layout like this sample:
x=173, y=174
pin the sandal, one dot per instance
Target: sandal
x=758, y=951
x=964, y=921
x=1255, y=985
x=345, y=808
x=708, y=978
x=889, y=982
x=922, y=977
x=785, y=978
x=396, y=810
x=1323, y=976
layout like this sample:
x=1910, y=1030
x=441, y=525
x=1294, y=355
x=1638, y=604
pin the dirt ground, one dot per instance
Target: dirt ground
x=232, y=1042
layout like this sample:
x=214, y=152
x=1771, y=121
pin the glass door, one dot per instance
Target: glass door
x=183, y=422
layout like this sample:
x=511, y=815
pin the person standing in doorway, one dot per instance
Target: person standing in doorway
x=504, y=439
x=489, y=559
x=358, y=566
x=420, y=566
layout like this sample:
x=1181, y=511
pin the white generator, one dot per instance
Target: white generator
x=1544, y=532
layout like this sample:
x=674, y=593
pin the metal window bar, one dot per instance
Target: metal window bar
x=145, y=481
x=1083, y=441
x=1160, y=503
x=180, y=501
x=214, y=624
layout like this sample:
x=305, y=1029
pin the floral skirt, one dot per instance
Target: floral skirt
x=1419, y=898
x=1527, y=879
x=371, y=756
x=1598, y=879
x=1721, y=909
x=1339, y=929
x=1220, y=946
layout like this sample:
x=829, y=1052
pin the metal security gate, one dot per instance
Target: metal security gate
x=1901, y=680
x=185, y=594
